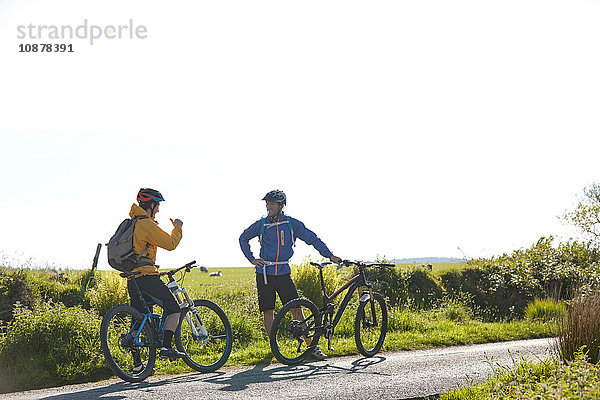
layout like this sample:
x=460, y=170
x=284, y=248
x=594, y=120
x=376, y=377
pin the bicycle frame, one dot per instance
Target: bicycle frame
x=185, y=303
x=352, y=285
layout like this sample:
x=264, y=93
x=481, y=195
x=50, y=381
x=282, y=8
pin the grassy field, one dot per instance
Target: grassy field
x=244, y=274
x=229, y=276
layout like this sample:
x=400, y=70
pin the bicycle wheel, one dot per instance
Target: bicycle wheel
x=370, y=325
x=294, y=326
x=205, y=336
x=127, y=358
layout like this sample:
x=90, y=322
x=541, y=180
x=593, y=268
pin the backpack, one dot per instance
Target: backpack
x=263, y=224
x=120, y=248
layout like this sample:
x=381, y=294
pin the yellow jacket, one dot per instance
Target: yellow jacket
x=147, y=231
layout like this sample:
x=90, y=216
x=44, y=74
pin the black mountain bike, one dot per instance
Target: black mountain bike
x=300, y=324
x=203, y=334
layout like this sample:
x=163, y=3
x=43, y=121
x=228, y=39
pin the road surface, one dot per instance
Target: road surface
x=397, y=375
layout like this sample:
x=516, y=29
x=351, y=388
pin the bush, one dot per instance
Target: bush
x=306, y=278
x=491, y=293
x=51, y=344
x=31, y=287
x=109, y=290
x=414, y=288
x=14, y=289
x=580, y=327
x=546, y=310
x=502, y=287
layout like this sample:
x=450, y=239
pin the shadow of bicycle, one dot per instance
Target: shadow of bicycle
x=238, y=381
x=263, y=373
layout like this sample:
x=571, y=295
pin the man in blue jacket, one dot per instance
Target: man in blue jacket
x=277, y=233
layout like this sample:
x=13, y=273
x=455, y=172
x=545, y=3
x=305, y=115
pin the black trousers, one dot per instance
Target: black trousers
x=153, y=289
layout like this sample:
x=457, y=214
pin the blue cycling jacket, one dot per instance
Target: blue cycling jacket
x=277, y=243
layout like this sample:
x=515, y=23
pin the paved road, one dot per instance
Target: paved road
x=399, y=375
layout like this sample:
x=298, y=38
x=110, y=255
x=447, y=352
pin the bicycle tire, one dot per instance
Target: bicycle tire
x=118, y=349
x=287, y=334
x=209, y=353
x=369, y=338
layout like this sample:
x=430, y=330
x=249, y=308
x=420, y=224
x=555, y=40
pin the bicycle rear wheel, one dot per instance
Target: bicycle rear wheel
x=129, y=359
x=293, y=331
x=370, y=325
x=206, y=350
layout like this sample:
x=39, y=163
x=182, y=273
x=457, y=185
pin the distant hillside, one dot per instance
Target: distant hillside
x=427, y=260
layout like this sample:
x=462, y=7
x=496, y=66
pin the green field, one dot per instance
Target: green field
x=246, y=275
x=229, y=276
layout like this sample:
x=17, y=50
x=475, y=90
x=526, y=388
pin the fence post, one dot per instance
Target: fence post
x=95, y=263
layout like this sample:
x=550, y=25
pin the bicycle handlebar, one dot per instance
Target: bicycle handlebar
x=358, y=263
x=187, y=266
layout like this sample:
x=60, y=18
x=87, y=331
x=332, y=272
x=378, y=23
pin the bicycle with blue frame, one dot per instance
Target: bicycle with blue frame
x=299, y=325
x=129, y=338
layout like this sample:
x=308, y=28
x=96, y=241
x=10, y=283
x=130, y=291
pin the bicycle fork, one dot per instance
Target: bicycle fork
x=192, y=317
x=368, y=296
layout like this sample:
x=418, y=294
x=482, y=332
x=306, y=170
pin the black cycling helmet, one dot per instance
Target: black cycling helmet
x=147, y=196
x=275, y=195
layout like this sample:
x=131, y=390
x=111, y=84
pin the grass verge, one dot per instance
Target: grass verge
x=548, y=379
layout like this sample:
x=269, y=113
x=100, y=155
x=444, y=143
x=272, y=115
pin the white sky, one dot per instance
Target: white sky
x=397, y=128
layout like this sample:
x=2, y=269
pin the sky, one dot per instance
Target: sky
x=397, y=129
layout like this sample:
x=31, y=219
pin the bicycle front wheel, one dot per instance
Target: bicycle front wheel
x=124, y=344
x=370, y=325
x=293, y=331
x=205, y=336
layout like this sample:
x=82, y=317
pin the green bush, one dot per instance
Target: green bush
x=306, y=278
x=546, y=310
x=51, y=344
x=501, y=287
x=490, y=293
x=109, y=290
x=14, y=289
x=415, y=288
x=30, y=287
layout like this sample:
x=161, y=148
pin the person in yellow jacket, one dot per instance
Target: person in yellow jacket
x=147, y=237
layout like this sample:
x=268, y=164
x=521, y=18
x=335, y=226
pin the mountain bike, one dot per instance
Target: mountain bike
x=300, y=324
x=203, y=333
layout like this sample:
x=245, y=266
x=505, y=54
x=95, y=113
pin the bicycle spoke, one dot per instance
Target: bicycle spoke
x=129, y=358
x=206, y=350
x=293, y=330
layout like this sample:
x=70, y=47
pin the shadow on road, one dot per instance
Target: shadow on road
x=261, y=374
x=112, y=392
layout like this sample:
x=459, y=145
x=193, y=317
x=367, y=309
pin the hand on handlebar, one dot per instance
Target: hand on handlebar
x=335, y=259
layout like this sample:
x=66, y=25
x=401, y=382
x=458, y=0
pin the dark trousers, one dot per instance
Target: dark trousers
x=153, y=289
